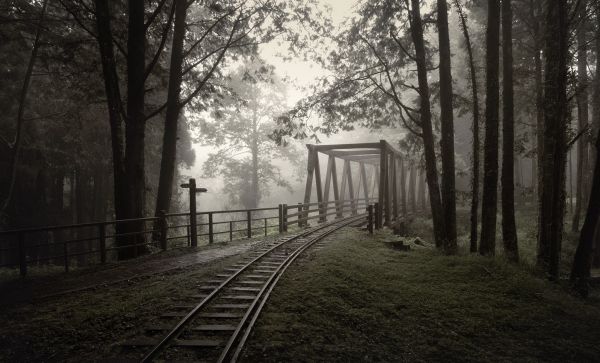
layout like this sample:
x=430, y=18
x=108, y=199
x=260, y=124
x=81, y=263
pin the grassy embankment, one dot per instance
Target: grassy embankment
x=358, y=300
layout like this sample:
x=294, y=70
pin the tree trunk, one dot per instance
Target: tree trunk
x=490, y=162
x=447, y=121
x=475, y=129
x=254, y=149
x=583, y=255
x=16, y=147
x=416, y=30
x=113, y=97
x=168, y=162
x=536, y=16
x=509, y=229
x=411, y=188
x=555, y=116
x=422, y=189
x=135, y=125
x=403, y=186
x=594, y=160
x=581, y=184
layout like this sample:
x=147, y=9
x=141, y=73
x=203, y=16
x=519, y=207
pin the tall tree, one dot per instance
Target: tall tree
x=447, y=121
x=581, y=185
x=555, y=121
x=16, y=145
x=582, y=262
x=475, y=130
x=490, y=163
x=169, y=145
x=509, y=229
x=416, y=30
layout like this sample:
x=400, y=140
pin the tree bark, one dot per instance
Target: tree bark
x=594, y=160
x=509, y=229
x=555, y=116
x=16, y=148
x=411, y=188
x=582, y=262
x=490, y=162
x=447, y=121
x=475, y=129
x=168, y=162
x=416, y=30
x=581, y=184
x=113, y=99
x=135, y=126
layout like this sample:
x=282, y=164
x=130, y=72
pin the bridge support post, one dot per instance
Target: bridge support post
x=210, y=229
x=370, y=218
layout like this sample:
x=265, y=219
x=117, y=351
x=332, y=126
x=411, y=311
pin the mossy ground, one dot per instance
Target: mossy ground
x=357, y=300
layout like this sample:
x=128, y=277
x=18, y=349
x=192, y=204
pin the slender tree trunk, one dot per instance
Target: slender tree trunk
x=555, y=116
x=490, y=162
x=571, y=180
x=584, y=253
x=447, y=121
x=255, y=181
x=509, y=229
x=403, y=186
x=113, y=97
x=411, y=188
x=416, y=30
x=594, y=160
x=168, y=162
x=422, y=189
x=536, y=16
x=475, y=129
x=16, y=147
x=135, y=126
x=582, y=118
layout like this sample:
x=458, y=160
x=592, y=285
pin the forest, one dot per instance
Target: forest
x=109, y=106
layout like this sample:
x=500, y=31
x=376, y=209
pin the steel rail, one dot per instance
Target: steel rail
x=263, y=295
x=174, y=332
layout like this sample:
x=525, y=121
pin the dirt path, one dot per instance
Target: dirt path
x=40, y=287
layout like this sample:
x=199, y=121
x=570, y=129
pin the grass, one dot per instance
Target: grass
x=357, y=300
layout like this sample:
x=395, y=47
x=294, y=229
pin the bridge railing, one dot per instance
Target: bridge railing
x=84, y=244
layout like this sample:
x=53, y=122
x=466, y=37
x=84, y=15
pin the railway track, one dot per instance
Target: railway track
x=217, y=327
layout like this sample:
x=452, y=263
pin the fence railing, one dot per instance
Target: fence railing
x=98, y=242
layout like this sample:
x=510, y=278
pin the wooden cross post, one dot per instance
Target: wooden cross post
x=193, y=224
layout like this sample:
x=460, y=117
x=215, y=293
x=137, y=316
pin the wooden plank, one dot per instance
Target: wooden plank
x=351, y=189
x=340, y=153
x=382, y=180
x=388, y=194
x=309, y=176
x=403, y=186
x=363, y=172
x=336, y=192
x=394, y=187
x=328, y=174
x=200, y=343
x=366, y=145
x=344, y=183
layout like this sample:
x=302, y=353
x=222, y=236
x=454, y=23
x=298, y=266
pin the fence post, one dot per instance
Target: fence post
x=102, y=238
x=322, y=217
x=280, y=217
x=285, y=223
x=162, y=222
x=189, y=241
x=66, y=254
x=299, y=214
x=370, y=218
x=265, y=227
x=22, y=255
x=249, y=215
x=377, y=216
x=193, y=225
x=230, y=231
x=210, y=228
